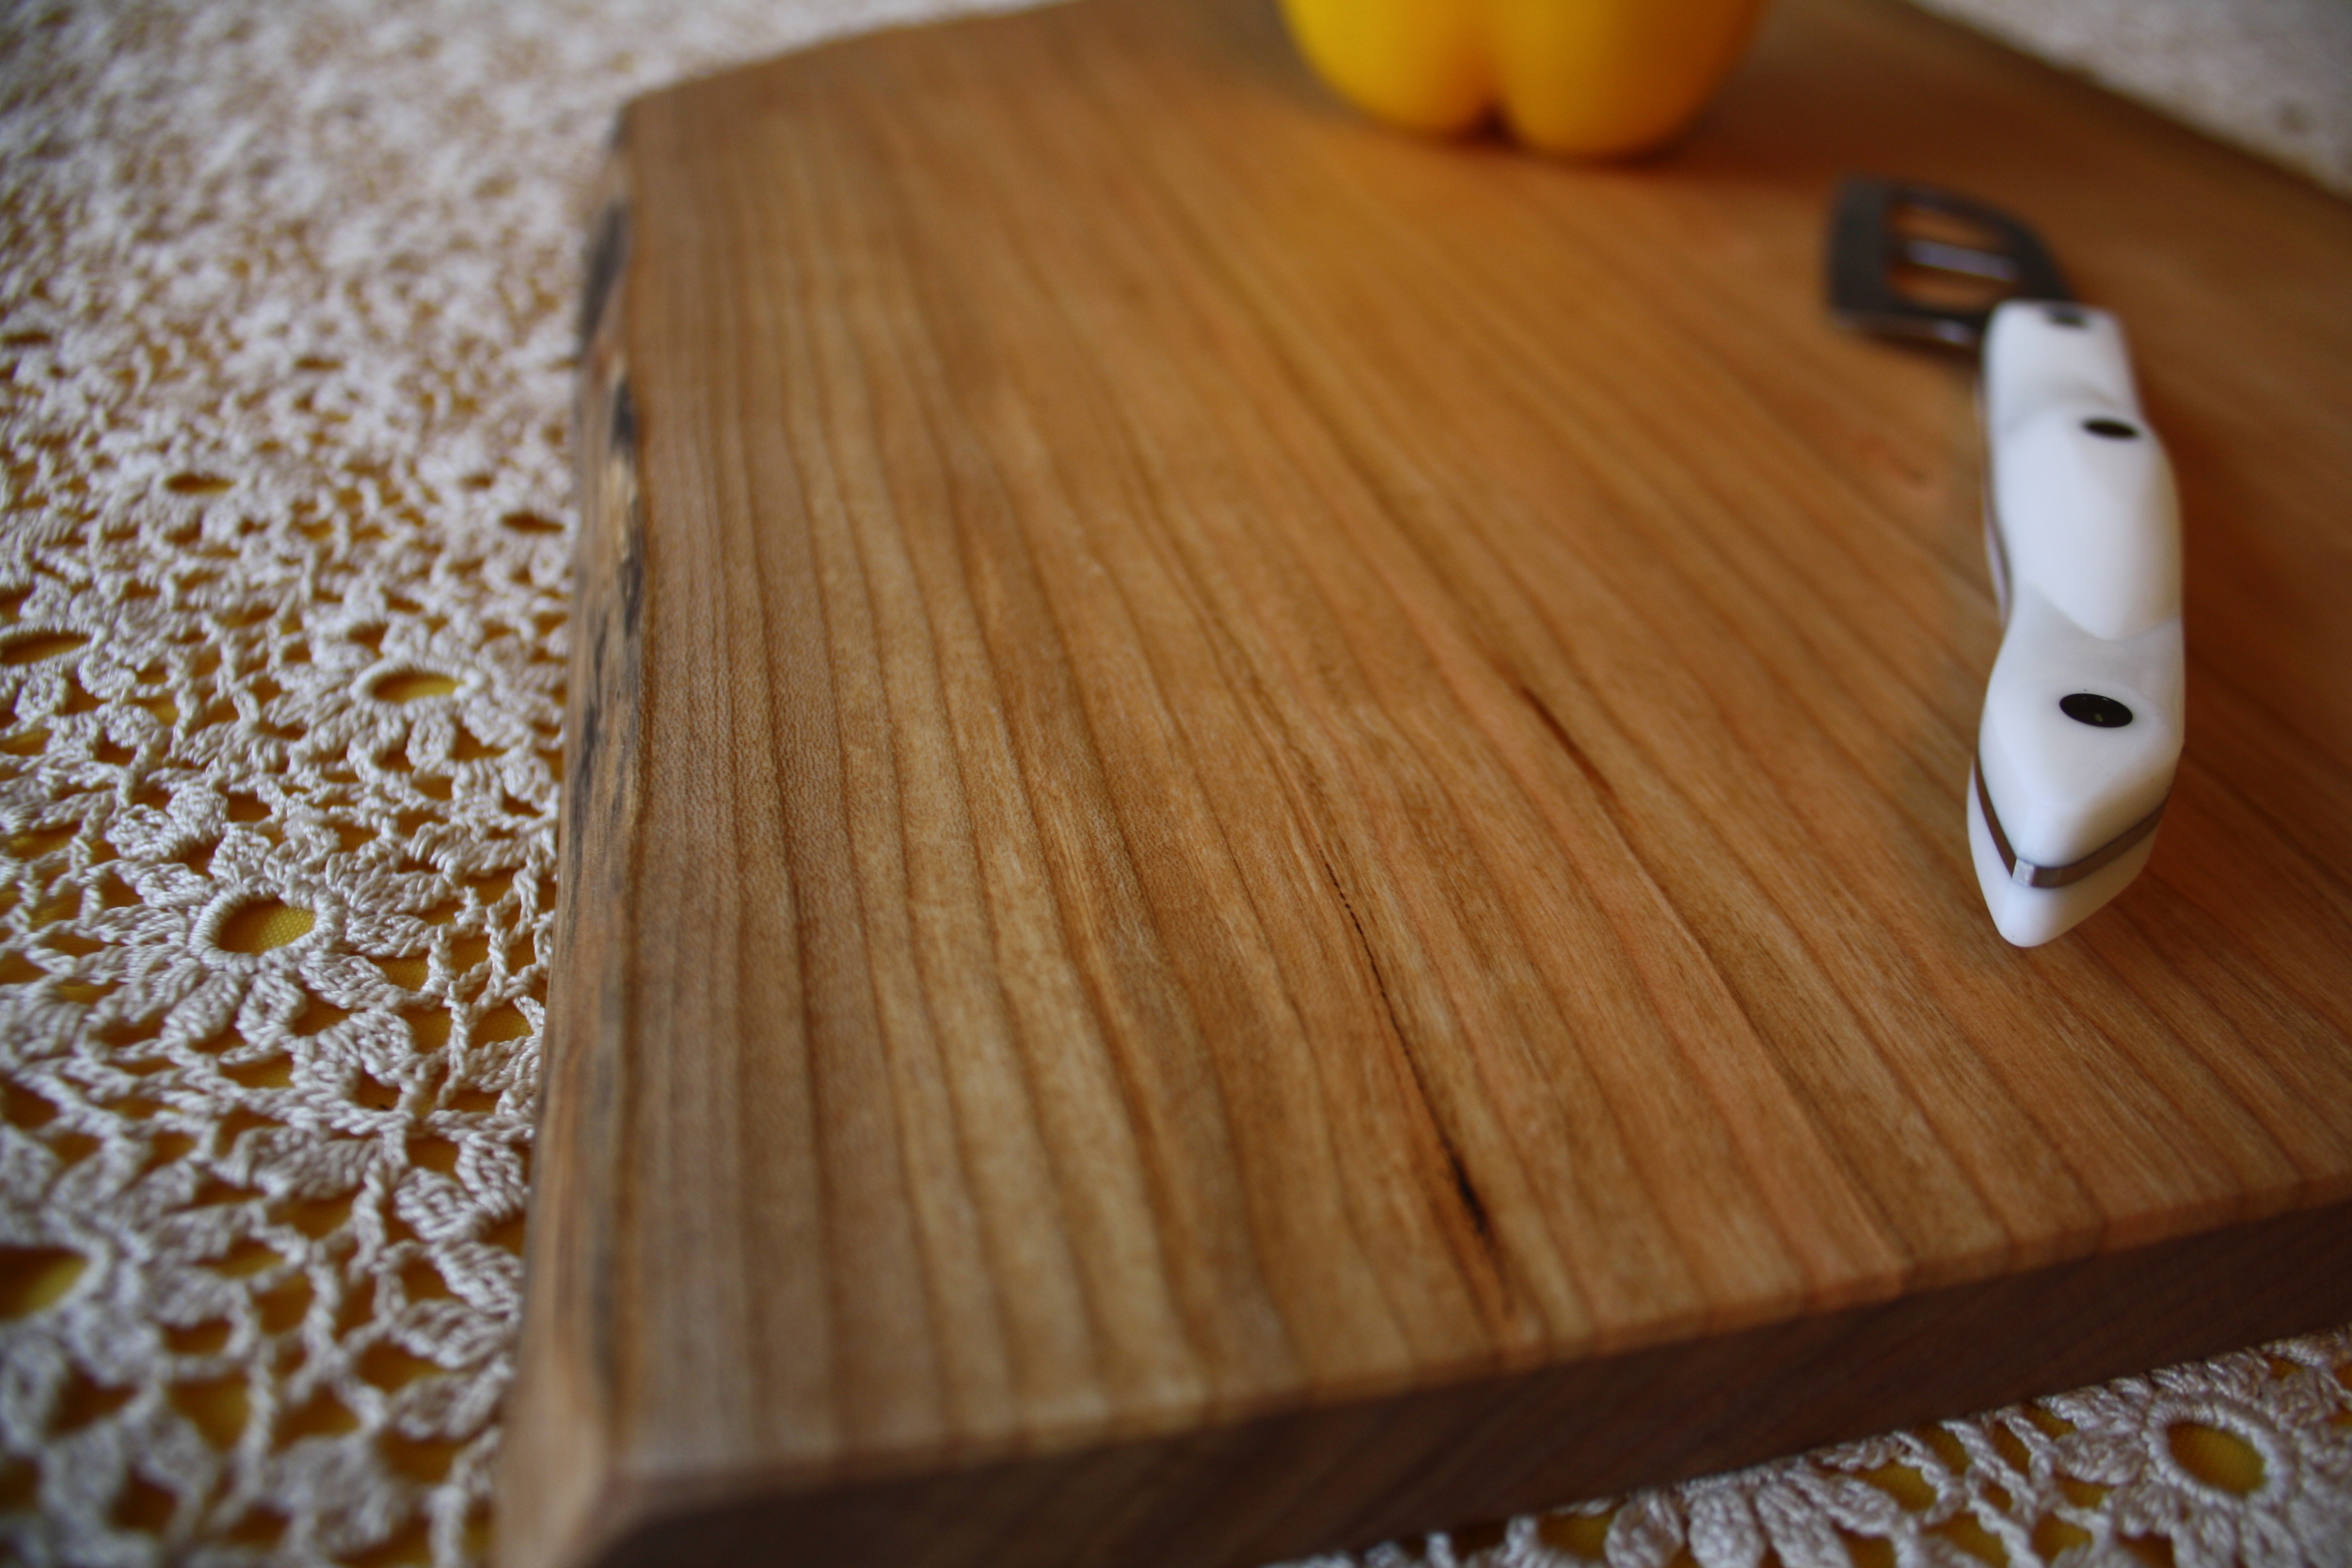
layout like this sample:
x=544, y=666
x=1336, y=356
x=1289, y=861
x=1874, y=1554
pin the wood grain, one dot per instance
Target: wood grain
x=1265, y=830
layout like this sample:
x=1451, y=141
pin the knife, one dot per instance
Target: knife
x=2082, y=724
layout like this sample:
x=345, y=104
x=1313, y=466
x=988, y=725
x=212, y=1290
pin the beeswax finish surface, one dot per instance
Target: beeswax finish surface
x=1264, y=826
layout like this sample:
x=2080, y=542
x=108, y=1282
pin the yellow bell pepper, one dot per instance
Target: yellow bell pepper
x=1589, y=77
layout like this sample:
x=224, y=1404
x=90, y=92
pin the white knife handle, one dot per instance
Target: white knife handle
x=2083, y=715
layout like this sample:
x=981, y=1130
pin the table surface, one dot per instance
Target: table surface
x=286, y=311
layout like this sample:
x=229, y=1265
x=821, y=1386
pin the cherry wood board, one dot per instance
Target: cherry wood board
x=1265, y=832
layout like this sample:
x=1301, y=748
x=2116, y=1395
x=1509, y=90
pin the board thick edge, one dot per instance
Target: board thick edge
x=1347, y=1475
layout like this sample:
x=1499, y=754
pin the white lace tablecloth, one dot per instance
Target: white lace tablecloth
x=285, y=321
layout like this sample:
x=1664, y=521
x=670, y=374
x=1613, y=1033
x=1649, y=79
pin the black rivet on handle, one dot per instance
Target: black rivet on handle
x=2114, y=429
x=2065, y=315
x=2088, y=707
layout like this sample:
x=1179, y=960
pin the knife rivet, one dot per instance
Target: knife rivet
x=2062, y=315
x=2088, y=707
x=2114, y=429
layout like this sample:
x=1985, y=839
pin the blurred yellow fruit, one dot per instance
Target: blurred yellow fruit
x=1589, y=77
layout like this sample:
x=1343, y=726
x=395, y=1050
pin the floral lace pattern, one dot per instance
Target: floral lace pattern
x=2241, y=1462
x=285, y=318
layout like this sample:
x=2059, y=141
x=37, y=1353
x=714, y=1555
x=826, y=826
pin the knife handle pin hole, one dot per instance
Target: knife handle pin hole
x=2114, y=429
x=2088, y=707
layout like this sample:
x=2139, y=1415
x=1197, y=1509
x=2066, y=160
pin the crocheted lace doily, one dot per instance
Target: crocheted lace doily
x=285, y=306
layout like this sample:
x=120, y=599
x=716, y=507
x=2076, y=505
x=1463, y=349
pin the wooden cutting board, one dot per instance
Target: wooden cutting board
x=1264, y=840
